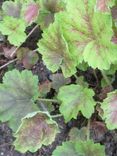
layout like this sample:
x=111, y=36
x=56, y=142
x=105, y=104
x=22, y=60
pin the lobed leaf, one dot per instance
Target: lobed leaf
x=55, y=51
x=14, y=28
x=109, y=107
x=36, y=129
x=76, y=98
x=79, y=148
x=18, y=93
x=89, y=32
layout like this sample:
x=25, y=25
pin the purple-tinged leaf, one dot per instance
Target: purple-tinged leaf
x=31, y=12
x=12, y=8
x=37, y=129
x=109, y=107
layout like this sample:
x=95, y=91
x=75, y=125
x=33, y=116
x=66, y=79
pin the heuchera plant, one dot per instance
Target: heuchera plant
x=77, y=34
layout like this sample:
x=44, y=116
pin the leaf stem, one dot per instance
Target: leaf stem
x=106, y=79
x=25, y=40
x=88, y=130
x=12, y=61
x=48, y=100
x=56, y=116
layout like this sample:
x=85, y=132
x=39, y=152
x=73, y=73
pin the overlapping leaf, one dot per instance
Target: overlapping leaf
x=14, y=28
x=78, y=148
x=109, y=107
x=76, y=98
x=47, y=11
x=55, y=51
x=90, y=32
x=37, y=129
x=17, y=95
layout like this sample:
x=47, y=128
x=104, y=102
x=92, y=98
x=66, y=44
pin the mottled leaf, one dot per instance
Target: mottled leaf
x=79, y=148
x=45, y=87
x=76, y=134
x=58, y=81
x=98, y=130
x=11, y=8
x=28, y=57
x=48, y=8
x=36, y=129
x=76, y=98
x=90, y=33
x=17, y=96
x=55, y=51
x=14, y=28
x=109, y=107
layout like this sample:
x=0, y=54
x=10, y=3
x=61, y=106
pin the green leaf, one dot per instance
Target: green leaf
x=109, y=107
x=37, y=129
x=76, y=98
x=89, y=32
x=17, y=96
x=76, y=134
x=55, y=51
x=79, y=148
x=14, y=28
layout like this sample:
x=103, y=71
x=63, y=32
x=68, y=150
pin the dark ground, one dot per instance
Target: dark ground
x=109, y=138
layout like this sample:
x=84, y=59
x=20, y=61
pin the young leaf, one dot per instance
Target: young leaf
x=30, y=12
x=28, y=57
x=11, y=8
x=89, y=32
x=76, y=134
x=76, y=98
x=36, y=129
x=55, y=51
x=109, y=107
x=79, y=148
x=14, y=28
x=45, y=87
x=104, y=5
x=17, y=96
x=58, y=81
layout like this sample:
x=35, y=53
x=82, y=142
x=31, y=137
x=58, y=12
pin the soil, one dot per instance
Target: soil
x=109, y=138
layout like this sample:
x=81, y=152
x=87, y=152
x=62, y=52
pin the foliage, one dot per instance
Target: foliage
x=109, y=107
x=28, y=57
x=76, y=98
x=78, y=36
x=36, y=129
x=76, y=148
x=88, y=38
x=14, y=28
x=57, y=54
x=17, y=96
